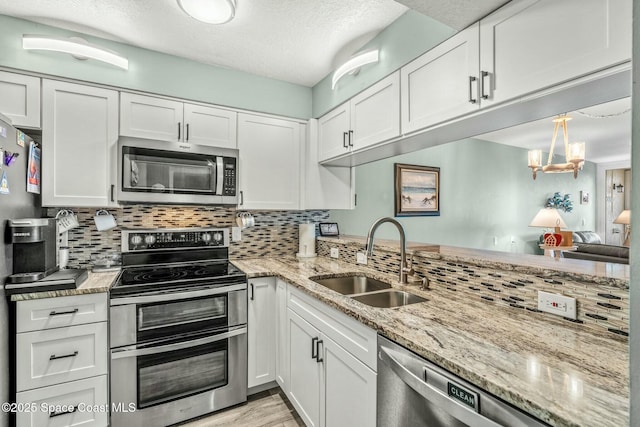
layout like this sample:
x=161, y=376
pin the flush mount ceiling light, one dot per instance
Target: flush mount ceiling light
x=574, y=153
x=353, y=65
x=75, y=46
x=209, y=11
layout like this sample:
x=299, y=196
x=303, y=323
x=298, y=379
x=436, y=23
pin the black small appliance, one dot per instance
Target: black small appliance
x=34, y=248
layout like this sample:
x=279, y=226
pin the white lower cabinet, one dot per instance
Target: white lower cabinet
x=327, y=384
x=261, y=323
x=282, y=358
x=61, y=361
x=78, y=403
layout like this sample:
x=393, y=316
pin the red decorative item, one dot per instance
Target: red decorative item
x=552, y=239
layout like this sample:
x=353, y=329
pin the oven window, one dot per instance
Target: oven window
x=161, y=319
x=180, y=373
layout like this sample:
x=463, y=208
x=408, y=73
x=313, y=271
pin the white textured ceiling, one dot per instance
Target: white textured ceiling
x=291, y=40
x=457, y=14
x=605, y=129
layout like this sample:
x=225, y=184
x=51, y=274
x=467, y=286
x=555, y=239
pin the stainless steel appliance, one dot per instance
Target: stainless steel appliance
x=34, y=249
x=415, y=392
x=176, y=172
x=178, y=327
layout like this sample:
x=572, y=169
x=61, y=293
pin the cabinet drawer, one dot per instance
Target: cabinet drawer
x=82, y=402
x=58, y=355
x=47, y=313
x=353, y=336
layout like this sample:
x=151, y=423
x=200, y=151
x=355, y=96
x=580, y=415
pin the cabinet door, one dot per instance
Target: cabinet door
x=349, y=389
x=305, y=372
x=149, y=117
x=282, y=338
x=20, y=99
x=375, y=113
x=261, y=324
x=440, y=84
x=533, y=44
x=334, y=133
x=269, y=166
x=326, y=187
x=79, y=137
x=210, y=126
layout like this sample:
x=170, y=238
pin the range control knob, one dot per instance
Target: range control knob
x=136, y=239
x=150, y=239
x=205, y=237
x=218, y=237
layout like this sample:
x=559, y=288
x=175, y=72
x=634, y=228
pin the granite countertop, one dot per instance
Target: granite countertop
x=555, y=370
x=95, y=283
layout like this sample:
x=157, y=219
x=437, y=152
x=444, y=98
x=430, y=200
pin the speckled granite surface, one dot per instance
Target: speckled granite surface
x=555, y=370
x=96, y=282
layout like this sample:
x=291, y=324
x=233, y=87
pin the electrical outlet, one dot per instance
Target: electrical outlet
x=361, y=258
x=335, y=253
x=236, y=234
x=557, y=304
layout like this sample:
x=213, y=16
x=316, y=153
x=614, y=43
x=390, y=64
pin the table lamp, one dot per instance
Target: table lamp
x=550, y=218
x=625, y=219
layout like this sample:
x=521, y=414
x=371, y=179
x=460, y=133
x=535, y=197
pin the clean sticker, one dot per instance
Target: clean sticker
x=4, y=184
x=20, y=138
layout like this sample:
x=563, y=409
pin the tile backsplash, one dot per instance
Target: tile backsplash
x=602, y=307
x=275, y=232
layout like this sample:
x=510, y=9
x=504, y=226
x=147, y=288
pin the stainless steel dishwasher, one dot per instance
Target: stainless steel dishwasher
x=414, y=392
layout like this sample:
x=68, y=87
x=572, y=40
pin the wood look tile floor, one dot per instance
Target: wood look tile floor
x=266, y=409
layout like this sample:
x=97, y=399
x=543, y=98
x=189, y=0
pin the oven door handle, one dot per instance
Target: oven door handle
x=133, y=352
x=145, y=299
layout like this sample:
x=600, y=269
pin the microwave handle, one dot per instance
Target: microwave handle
x=219, y=175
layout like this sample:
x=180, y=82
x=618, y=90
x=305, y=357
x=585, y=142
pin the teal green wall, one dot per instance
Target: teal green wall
x=486, y=191
x=155, y=72
x=405, y=39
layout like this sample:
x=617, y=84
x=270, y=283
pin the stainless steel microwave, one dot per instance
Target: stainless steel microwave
x=162, y=172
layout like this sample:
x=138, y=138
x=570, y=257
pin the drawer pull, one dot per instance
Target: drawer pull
x=57, y=414
x=54, y=357
x=61, y=313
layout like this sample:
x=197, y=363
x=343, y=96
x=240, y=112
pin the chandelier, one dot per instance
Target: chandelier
x=574, y=153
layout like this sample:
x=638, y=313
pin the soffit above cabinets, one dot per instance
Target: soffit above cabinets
x=458, y=14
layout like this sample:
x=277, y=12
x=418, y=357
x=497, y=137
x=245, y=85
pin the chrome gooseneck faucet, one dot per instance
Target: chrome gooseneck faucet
x=403, y=249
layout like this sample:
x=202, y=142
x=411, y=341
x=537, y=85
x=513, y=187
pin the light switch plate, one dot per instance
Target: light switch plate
x=557, y=304
x=335, y=253
x=361, y=258
x=236, y=234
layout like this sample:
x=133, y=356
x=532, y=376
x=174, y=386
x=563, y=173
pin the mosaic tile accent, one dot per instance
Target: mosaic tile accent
x=275, y=232
x=598, y=306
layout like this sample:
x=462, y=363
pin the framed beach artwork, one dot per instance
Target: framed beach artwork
x=417, y=190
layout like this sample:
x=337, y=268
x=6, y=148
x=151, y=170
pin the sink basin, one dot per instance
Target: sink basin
x=388, y=298
x=353, y=284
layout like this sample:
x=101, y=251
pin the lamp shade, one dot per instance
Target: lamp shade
x=623, y=218
x=548, y=218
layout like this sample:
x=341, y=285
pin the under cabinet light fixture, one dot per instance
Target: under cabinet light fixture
x=75, y=46
x=353, y=65
x=209, y=11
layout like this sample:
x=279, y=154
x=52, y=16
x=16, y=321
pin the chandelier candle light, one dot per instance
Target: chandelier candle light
x=574, y=153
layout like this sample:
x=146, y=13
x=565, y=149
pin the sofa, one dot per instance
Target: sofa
x=590, y=247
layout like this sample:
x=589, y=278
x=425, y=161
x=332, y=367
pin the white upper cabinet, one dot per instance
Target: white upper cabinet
x=368, y=118
x=442, y=83
x=529, y=45
x=168, y=120
x=79, y=137
x=326, y=187
x=20, y=99
x=270, y=162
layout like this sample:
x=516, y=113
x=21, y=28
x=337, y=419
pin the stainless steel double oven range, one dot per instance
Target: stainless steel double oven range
x=178, y=327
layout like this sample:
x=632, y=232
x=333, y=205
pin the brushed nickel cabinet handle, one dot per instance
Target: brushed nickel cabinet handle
x=62, y=313
x=73, y=409
x=179, y=128
x=471, y=98
x=483, y=75
x=64, y=356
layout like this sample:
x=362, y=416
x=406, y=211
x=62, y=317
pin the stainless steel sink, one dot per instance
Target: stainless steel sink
x=388, y=298
x=352, y=284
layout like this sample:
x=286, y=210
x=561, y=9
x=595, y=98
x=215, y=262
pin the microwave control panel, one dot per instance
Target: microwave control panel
x=229, y=176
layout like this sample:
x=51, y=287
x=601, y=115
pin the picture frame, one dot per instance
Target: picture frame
x=417, y=190
x=584, y=197
x=329, y=229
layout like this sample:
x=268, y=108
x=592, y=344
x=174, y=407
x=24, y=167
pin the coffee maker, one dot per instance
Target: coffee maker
x=34, y=249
